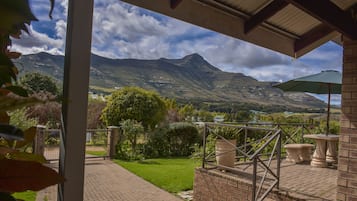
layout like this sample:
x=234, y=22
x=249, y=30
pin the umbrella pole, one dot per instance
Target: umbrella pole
x=328, y=110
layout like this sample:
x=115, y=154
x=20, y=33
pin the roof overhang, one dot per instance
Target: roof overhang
x=291, y=27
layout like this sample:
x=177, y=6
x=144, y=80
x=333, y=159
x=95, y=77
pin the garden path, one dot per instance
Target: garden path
x=107, y=181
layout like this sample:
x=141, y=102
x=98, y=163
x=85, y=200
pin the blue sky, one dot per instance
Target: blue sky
x=124, y=31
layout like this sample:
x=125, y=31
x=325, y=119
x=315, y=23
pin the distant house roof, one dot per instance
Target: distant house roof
x=292, y=27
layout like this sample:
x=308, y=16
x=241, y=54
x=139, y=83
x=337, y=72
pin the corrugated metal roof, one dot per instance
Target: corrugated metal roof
x=344, y=4
x=280, y=32
x=290, y=19
x=293, y=20
x=246, y=6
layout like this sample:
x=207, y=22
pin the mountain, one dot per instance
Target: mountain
x=189, y=79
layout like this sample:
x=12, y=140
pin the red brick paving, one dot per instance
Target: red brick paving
x=107, y=181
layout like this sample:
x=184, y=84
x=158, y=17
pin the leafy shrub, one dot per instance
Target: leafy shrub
x=37, y=82
x=123, y=150
x=131, y=131
x=19, y=119
x=134, y=103
x=210, y=147
x=98, y=138
x=320, y=127
x=48, y=114
x=228, y=133
x=157, y=144
x=181, y=138
x=175, y=139
x=95, y=109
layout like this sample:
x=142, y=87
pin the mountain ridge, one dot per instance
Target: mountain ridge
x=187, y=79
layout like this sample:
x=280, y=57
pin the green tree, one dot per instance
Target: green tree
x=205, y=116
x=37, y=82
x=42, y=85
x=19, y=119
x=95, y=108
x=170, y=103
x=134, y=103
x=132, y=130
x=48, y=114
x=187, y=111
x=243, y=116
x=172, y=114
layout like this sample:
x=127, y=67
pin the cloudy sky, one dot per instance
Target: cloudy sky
x=124, y=31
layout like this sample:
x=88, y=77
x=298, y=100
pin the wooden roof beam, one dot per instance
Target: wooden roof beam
x=174, y=3
x=329, y=14
x=264, y=14
x=313, y=35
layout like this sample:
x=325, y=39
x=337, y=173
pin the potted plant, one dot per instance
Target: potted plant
x=225, y=145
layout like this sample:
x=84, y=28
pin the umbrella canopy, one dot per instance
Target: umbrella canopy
x=326, y=82
x=316, y=83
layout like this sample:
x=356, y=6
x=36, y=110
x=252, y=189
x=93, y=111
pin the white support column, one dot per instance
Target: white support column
x=75, y=99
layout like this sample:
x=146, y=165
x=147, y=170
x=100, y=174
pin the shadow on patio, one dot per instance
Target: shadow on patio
x=259, y=170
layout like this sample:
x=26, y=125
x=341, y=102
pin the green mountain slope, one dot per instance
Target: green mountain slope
x=189, y=79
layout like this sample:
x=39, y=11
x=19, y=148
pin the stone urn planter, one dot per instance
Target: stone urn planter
x=225, y=152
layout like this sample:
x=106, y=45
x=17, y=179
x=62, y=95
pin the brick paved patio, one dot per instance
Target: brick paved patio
x=309, y=182
x=107, y=181
x=298, y=181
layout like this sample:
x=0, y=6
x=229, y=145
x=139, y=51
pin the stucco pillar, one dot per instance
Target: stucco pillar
x=347, y=163
x=113, y=138
x=38, y=146
x=75, y=99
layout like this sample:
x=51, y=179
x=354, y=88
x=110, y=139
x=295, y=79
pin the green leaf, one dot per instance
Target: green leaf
x=4, y=118
x=24, y=156
x=18, y=176
x=14, y=55
x=10, y=132
x=17, y=90
x=4, y=60
x=29, y=136
x=9, y=103
x=14, y=13
x=6, y=151
x=5, y=74
x=6, y=197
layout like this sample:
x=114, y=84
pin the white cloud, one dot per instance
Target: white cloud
x=328, y=57
x=233, y=54
x=37, y=42
x=61, y=29
x=124, y=31
x=323, y=55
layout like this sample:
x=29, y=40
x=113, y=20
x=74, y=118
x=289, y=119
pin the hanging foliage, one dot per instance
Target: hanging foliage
x=19, y=170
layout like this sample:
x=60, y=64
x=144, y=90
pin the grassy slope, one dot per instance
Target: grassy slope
x=173, y=175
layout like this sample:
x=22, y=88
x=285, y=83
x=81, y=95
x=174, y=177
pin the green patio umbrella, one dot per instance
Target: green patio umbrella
x=326, y=82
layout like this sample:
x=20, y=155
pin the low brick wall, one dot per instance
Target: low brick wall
x=212, y=185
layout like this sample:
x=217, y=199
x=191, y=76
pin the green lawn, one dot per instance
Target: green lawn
x=27, y=195
x=96, y=153
x=173, y=175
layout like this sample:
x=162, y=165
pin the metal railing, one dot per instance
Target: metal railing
x=290, y=132
x=258, y=155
